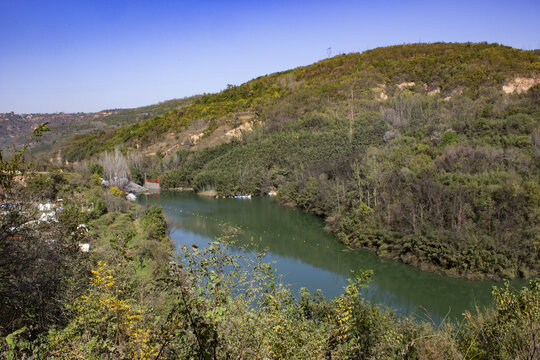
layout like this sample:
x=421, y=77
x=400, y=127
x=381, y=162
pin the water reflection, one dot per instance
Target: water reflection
x=308, y=256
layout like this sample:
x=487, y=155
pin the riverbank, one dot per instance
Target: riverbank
x=307, y=255
x=381, y=244
x=208, y=193
x=409, y=259
x=196, y=217
x=137, y=303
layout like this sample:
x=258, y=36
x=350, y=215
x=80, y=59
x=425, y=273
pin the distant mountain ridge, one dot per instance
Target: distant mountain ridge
x=16, y=128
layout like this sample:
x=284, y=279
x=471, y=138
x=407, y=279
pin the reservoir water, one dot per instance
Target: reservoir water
x=308, y=256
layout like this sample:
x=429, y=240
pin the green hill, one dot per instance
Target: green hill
x=427, y=153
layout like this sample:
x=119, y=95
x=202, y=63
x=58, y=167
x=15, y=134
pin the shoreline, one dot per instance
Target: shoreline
x=423, y=266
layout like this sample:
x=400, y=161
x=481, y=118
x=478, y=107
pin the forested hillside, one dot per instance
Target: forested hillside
x=427, y=153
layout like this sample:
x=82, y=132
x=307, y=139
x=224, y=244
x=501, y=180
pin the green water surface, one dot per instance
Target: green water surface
x=308, y=256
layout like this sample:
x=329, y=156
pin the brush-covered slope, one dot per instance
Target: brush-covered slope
x=14, y=128
x=324, y=89
x=427, y=153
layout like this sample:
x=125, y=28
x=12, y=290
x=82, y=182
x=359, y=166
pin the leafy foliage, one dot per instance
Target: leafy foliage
x=95, y=168
x=210, y=313
x=510, y=330
x=103, y=325
x=154, y=222
x=116, y=191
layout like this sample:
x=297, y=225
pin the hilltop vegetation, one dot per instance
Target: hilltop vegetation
x=324, y=89
x=426, y=153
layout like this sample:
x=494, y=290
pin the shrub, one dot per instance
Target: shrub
x=510, y=331
x=99, y=207
x=136, y=175
x=45, y=186
x=154, y=222
x=449, y=137
x=95, y=168
x=97, y=179
x=116, y=191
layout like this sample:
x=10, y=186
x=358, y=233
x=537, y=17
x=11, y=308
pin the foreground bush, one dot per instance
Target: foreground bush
x=223, y=306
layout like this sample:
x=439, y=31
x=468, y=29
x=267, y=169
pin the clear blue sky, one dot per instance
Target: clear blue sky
x=82, y=55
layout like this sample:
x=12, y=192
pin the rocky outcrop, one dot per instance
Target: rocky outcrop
x=519, y=85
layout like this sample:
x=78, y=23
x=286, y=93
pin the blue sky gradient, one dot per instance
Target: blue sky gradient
x=92, y=55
